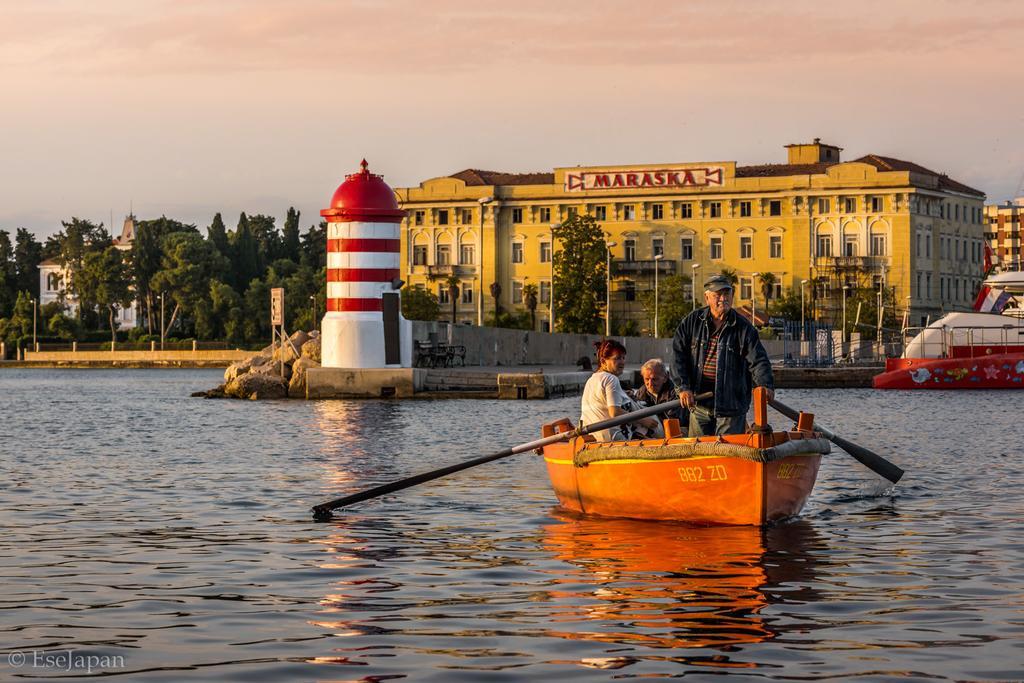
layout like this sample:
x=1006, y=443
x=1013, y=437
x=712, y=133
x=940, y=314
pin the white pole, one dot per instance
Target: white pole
x=693, y=284
x=803, y=333
x=551, y=289
x=753, y=299
x=480, y=261
x=657, y=267
x=608, y=289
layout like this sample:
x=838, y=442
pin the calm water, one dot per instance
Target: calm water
x=169, y=538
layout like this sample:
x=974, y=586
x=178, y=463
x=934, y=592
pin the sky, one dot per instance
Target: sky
x=186, y=108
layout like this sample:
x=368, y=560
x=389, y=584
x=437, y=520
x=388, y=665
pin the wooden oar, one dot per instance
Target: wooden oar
x=872, y=461
x=322, y=512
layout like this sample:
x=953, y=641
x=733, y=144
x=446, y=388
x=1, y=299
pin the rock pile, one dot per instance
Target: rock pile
x=275, y=372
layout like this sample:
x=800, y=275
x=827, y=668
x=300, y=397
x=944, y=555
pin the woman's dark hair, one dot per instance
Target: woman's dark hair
x=608, y=347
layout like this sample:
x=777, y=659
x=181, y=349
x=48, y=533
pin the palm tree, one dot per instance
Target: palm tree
x=530, y=299
x=768, y=282
x=730, y=275
x=496, y=293
x=453, y=293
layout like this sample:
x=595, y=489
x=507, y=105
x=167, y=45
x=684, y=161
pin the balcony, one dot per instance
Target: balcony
x=863, y=263
x=645, y=267
x=448, y=270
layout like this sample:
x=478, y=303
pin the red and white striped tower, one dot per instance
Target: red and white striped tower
x=363, y=263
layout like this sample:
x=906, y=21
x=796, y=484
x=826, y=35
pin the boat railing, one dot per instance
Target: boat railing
x=954, y=339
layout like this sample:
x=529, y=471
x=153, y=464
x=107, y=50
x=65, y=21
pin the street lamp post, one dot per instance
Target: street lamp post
x=484, y=201
x=803, y=327
x=162, y=330
x=313, y=299
x=845, y=287
x=657, y=267
x=34, y=306
x=753, y=298
x=551, y=288
x=693, y=283
x=608, y=288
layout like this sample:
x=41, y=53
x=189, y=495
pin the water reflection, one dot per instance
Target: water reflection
x=664, y=585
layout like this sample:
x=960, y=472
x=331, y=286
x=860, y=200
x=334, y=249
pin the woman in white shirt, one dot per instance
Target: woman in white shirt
x=603, y=397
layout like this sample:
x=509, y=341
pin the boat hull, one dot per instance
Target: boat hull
x=994, y=371
x=699, y=490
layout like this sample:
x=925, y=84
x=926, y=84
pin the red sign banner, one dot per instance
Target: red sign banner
x=636, y=179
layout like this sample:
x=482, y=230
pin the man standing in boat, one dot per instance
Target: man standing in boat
x=717, y=350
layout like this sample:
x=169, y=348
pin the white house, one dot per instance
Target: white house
x=53, y=279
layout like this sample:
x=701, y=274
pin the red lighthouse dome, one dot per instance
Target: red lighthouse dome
x=364, y=197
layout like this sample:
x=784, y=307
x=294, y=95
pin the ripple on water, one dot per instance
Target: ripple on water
x=174, y=533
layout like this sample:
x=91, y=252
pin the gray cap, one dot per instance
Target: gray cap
x=717, y=283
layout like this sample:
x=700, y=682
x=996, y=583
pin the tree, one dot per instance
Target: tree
x=290, y=236
x=580, y=275
x=245, y=255
x=453, y=294
x=530, y=299
x=28, y=254
x=78, y=238
x=419, y=303
x=188, y=264
x=496, y=293
x=217, y=234
x=8, y=275
x=674, y=303
x=787, y=306
x=265, y=232
x=104, y=280
x=314, y=246
x=146, y=257
x=730, y=275
x=768, y=282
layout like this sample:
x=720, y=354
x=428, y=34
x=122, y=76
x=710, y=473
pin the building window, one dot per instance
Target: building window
x=824, y=245
x=442, y=217
x=545, y=292
x=687, y=248
x=572, y=212
x=850, y=245
x=545, y=214
x=628, y=212
x=745, y=287
x=715, y=209
x=443, y=294
x=467, y=294
x=517, y=252
x=878, y=245
x=658, y=246
x=517, y=215
x=716, y=248
x=601, y=213
x=777, y=289
x=443, y=255
x=744, y=209
x=928, y=248
x=517, y=292
x=686, y=210
x=629, y=290
x=466, y=216
x=850, y=205
x=657, y=212
x=746, y=246
x=876, y=205
x=775, y=207
x=629, y=250
x=928, y=284
x=775, y=246
x=824, y=206
x=419, y=255
x=467, y=253
x=418, y=217
x=545, y=252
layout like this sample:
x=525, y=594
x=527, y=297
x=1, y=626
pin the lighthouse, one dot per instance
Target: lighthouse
x=363, y=327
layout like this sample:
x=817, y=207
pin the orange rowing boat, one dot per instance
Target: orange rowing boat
x=755, y=478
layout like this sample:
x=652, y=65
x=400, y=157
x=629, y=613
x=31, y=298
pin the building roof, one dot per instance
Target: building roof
x=891, y=164
x=473, y=176
x=49, y=262
x=476, y=177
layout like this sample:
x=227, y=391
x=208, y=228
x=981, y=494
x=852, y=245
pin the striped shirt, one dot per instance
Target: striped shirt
x=710, y=369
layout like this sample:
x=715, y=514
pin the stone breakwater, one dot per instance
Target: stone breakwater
x=275, y=372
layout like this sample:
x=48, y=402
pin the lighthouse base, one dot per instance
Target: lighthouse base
x=361, y=341
x=364, y=383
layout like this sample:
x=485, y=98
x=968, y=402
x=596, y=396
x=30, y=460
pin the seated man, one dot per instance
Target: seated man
x=658, y=388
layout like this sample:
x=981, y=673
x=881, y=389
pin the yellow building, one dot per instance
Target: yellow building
x=1005, y=233
x=869, y=221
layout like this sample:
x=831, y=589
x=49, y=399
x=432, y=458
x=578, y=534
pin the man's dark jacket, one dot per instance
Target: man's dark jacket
x=742, y=361
x=667, y=393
